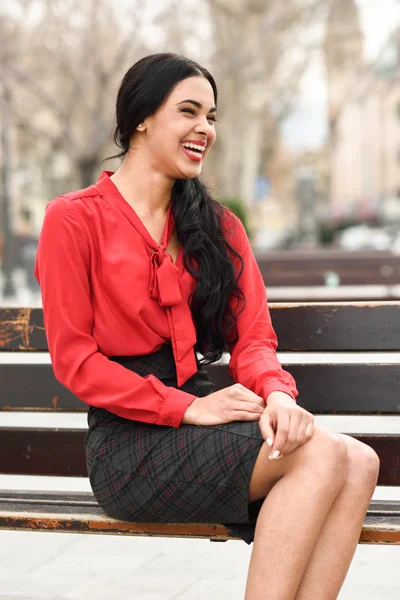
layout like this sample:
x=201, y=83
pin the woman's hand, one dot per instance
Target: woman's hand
x=285, y=425
x=234, y=403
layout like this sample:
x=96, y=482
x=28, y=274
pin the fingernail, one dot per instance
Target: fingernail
x=274, y=455
x=269, y=441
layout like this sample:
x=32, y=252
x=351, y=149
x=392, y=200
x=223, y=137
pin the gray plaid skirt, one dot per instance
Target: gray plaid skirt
x=152, y=473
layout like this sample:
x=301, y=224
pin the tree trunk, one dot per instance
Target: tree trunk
x=238, y=29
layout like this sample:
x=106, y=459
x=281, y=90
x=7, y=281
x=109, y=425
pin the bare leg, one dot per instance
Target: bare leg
x=300, y=489
x=338, y=539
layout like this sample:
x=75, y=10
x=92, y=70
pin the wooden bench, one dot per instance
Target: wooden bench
x=327, y=386
x=329, y=274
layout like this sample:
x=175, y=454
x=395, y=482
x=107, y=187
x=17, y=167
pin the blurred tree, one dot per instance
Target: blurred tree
x=239, y=209
x=69, y=56
x=64, y=73
x=260, y=54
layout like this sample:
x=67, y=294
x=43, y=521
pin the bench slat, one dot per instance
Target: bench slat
x=35, y=451
x=340, y=327
x=78, y=523
x=80, y=513
x=87, y=501
x=347, y=326
x=60, y=452
x=324, y=388
x=381, y=530
x=305, y=268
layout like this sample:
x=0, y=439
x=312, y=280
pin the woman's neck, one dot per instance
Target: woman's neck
x=147, y=192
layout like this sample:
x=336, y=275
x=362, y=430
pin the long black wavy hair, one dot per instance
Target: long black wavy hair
x=197, y=215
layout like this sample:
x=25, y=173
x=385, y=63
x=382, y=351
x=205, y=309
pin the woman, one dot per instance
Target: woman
x=138, y=272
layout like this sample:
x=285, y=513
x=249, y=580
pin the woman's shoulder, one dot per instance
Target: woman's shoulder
x=68, y=220
x=74, y=204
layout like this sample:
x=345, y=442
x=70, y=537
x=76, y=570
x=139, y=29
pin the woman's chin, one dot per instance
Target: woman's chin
x=190, y=172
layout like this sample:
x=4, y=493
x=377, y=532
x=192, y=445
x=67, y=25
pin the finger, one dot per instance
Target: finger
x=310, y=429
x=305, y=431
x=291, y=441
x=281, y=433
x=247, y=406
x=302, y=437
x=238, y=415
x=249, y=396
x=260, y=401
x=253, y=399
x=267, y=430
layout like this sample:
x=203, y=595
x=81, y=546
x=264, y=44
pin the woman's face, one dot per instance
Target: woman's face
x=179, y=135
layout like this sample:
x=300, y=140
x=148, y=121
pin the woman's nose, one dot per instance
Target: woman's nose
x=204, y=126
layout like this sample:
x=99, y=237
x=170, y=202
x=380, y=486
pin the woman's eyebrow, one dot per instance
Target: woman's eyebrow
x=198, y=105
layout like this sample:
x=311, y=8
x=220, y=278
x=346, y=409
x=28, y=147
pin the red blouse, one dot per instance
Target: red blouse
x=106, y=293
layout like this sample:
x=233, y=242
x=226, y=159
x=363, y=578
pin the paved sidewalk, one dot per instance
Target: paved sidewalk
x=44, y=566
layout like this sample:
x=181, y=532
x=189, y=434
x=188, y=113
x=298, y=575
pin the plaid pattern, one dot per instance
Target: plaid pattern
x=151, y=473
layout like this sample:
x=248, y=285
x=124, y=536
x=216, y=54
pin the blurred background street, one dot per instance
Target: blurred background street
x=308, y=124
x=307, y=153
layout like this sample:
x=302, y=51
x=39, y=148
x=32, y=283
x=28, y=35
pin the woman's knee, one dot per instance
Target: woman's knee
x=323, y=458
x=363, y=464
x=326, y=454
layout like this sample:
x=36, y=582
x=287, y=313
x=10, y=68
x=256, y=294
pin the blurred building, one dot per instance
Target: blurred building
x=364, y=120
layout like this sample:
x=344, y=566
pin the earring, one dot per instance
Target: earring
x=140, y=126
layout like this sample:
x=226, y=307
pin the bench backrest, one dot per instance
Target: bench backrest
x=308, y=267
x=328, y=382
x=329, y=275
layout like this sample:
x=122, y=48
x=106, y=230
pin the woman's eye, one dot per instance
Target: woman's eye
x=193, y=112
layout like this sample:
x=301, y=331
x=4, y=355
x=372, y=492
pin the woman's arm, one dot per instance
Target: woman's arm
x=62, y=270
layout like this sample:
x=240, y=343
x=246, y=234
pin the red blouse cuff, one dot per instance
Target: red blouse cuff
x=276, y=386
x=174, y=408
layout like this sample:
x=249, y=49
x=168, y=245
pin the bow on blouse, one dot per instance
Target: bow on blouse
x=164, y=279
x=164, y=287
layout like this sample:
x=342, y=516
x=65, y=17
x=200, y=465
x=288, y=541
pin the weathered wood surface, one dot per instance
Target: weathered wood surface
x=80, y=513
x=22, y=329
x=323, y=388
x=61, y=452
x=381, y=530
x=340, y=326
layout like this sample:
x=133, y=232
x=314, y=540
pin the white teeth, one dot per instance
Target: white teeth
x=194, y=146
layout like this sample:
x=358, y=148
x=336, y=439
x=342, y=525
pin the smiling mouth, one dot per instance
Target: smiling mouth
x=193, y=151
